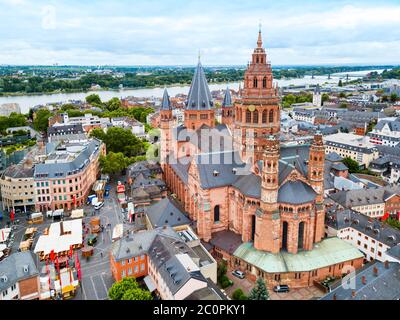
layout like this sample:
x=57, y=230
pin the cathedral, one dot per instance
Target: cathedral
x=239, y=179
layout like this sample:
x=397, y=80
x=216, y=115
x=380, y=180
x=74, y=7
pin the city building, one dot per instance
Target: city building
x=349, y=145
x=317, y=97
x=65, y=178
x=7, y=108
x=88, y=121
x=372, y=202
x=136, y=127
x=269, y=194
x=19, y=277
x=386, y=132
x=174, y=264
x=377, y=281
x=302, y=114
x=370, y=236
x=18, y=187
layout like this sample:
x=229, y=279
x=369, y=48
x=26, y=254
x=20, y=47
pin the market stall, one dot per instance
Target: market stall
x=4, y=234
x=87, y=251
x=77, y=214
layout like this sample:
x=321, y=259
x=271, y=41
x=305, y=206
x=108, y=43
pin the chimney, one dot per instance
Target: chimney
x=353, y=294
x=61, y=228
x=334, y=297
x=375, y=271
x=364, y=280
x=387, y=264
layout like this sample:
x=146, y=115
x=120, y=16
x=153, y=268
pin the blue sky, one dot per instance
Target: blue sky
x=171, y=32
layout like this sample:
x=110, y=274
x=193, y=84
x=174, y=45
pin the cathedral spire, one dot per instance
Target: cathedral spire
x=259, y=41
x=227, y=99
x=165, y=103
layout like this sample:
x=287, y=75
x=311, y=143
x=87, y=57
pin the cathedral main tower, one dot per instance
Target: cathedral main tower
x=257, y=112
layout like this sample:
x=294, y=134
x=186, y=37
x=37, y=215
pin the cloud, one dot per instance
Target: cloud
x=172, y=32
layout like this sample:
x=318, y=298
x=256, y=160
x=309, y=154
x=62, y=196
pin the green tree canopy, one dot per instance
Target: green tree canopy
x=260, y=291
x=114, y=104
x=352, y=165
x=93, y=99
x=41, y=121
x=113, y=163
x=121, y=140
x=128, y=289
x=14, y=120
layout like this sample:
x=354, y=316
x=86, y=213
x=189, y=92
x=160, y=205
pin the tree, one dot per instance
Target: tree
x=128, y=289
x=137, y=294
x=260, y=291
x=239, y=295
x=352, y=165
x=394, y=97
x=41, y=121
x=113, y=163
x=93, y=99
x=114, y=104
x=343, y=106
x=340, y=84
x=325, y=97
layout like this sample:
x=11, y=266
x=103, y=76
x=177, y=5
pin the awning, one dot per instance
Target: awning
x=150, y=283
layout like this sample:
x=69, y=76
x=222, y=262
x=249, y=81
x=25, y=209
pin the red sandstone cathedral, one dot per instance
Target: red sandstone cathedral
x=256, y=200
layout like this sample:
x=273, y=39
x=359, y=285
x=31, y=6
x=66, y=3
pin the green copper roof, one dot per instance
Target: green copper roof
x=328, y=252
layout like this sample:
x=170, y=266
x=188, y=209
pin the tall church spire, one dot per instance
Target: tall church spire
x=165, y=103
x=199, y=97
x=259, y=41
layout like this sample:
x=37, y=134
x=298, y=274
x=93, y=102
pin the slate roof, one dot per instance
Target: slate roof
x=296, y=192
x=165, y=103
x=339, y=166
x=163, y=254
x=12, y=268
x=333, y=157
x=19, y=171
x=226, y=240
x=362, y=197
x=393, y=125
x=138, y=243
x=60, y=170
x=394, y=252
x=199, y=97
x=227, y=99
x=384, y=286
x=346, y=218
x=166, y=212
x=65, y=129
x=249, y=185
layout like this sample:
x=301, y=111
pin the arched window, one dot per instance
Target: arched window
x=265, y=82
x=300, y=243
x=255, y=83
x=264, y=116
x=216, y=214
x=248, y=116
x=255, y=117
x=284, y=235
x=257, y=60
x=271, y=116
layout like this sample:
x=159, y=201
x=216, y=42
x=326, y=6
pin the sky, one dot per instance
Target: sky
x=172, y=32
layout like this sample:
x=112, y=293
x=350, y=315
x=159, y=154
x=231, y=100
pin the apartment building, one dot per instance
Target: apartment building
x=386, y=132
x=349, y=145
x=19, y=277
x=173, y=263
x=17, y=187
x=88, y=121
x=372, y=237
x=65, y=178
x=136, y=127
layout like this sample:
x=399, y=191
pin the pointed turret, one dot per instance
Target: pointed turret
x=199, y=97
x=227, y=99
x=199, y=105
x=259, y=41
x=166, y=103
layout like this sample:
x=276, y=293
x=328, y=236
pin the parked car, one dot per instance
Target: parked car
x=98, y=205
x=281, y=288
x=91, y=240
x=239, y=274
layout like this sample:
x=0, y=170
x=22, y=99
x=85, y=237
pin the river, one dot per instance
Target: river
x=28, y=101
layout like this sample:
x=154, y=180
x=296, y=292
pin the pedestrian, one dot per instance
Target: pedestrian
x=101, y=254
